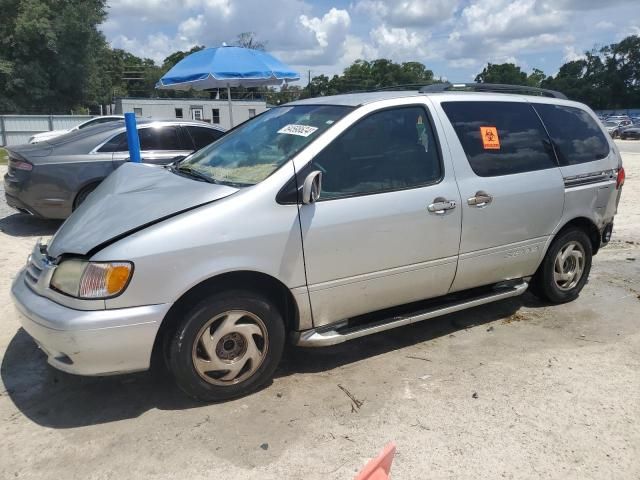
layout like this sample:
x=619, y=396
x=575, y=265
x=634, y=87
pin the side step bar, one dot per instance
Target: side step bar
x=342, y=332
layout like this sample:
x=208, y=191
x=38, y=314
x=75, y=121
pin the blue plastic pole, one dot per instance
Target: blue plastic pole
x=132, y=137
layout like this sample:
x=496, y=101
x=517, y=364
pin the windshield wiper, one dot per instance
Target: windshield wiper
x=190, y=171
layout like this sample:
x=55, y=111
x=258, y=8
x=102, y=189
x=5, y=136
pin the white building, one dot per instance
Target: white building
x=212, y=111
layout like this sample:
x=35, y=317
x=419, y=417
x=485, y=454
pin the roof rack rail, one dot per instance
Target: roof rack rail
x=491, y=87
x=402, y=86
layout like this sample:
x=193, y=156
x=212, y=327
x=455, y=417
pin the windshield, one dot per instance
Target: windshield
x=257, y=148
x=610, y=124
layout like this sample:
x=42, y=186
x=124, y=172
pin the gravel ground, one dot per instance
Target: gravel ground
x=516, y=389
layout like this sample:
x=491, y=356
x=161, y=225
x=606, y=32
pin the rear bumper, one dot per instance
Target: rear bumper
x=605, y=234
x=22, y=195
x=98, y=342
x=13, y=202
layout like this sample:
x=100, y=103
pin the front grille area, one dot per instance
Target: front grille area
x=33, y=272
x=38, y=269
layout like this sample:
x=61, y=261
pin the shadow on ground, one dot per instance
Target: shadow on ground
x=23, y=225
x=54, y=399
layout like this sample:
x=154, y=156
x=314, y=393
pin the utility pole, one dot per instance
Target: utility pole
x=309, y=76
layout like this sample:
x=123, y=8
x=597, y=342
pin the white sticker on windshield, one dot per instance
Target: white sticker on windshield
x=300, y=130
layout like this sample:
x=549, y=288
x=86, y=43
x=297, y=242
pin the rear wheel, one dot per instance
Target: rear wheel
x=565, y=268
x=227, y=346
x=83, y=194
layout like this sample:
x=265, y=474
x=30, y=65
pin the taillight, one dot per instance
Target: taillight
x=620, y=179
x=20, y=165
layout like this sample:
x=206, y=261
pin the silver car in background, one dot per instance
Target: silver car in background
x=92, y=122
x=52, y=178
x=321, y=221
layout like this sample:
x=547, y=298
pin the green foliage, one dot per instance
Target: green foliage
x=49, y=54
x=604, y=78
x=365, y=75
x=508, y=73
x=287, y=93
x=53, y=59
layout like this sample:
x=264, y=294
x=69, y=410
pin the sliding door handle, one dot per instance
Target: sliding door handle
x=481, y=199
x=440, y=205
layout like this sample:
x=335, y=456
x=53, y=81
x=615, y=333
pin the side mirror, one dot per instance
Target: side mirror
x=311, y=187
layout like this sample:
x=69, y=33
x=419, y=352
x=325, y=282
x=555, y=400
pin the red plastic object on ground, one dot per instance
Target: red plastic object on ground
x=380, y=467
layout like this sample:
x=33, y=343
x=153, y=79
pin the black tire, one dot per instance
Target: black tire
x=186, y=347
x=83, y=194
x=544, y=283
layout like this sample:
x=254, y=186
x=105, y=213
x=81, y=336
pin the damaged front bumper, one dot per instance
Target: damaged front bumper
x=96, y=342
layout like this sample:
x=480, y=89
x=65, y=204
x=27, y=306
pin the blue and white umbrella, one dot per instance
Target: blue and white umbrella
x=227, y=67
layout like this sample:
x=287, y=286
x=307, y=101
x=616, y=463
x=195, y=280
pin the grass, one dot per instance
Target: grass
x=3, y=156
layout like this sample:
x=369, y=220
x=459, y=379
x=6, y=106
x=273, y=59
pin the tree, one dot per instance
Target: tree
x=508, y=73
x=288, y=93
x=604, y=78
x=249, y=40
x=536, y=78
x=49, y=54
x=169, y=62
x=370, y=75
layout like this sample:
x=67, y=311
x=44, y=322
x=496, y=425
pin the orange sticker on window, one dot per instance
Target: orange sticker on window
x=490, y=138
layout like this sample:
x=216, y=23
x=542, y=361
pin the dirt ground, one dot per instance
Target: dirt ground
x=516, y=389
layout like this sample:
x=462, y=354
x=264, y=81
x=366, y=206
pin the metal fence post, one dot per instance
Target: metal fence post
x=2, y=131
x=51, y=123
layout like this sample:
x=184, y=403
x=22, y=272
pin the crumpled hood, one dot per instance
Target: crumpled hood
x=133, y=196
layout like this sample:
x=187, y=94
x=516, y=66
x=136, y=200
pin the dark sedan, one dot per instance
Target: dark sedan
x=52, y=178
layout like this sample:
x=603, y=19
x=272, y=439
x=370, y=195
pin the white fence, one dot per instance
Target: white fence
x=16, y=129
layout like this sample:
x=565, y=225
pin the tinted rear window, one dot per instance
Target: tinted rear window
x=116, y=144
x=160, y=138
x=576, y=135
x=500, y=138
x=151, y=138
x=203, y=136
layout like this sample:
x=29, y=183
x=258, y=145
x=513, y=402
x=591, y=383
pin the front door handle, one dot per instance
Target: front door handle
x=481, y=199
x=440, y=205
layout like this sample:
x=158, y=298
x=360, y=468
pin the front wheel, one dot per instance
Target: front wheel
x=565, y=268
x=227, y=346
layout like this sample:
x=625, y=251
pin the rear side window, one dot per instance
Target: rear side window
x=116, y=144
x=203, y=136
x=392, y=149
x=151, y=138
x=162, y=138
x=500, y=138
x=576, y=136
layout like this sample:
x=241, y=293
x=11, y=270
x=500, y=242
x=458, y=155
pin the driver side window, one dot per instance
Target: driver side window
x=393, y=149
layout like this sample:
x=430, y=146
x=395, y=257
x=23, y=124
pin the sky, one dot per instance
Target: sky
x=454, y=38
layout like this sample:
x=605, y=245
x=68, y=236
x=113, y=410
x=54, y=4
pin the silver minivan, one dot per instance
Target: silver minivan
x=321, y=221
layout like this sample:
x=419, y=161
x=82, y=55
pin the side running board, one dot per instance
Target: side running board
x=344, y=331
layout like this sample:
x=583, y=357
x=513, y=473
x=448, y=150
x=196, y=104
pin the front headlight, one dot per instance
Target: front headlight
x=91, y=280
